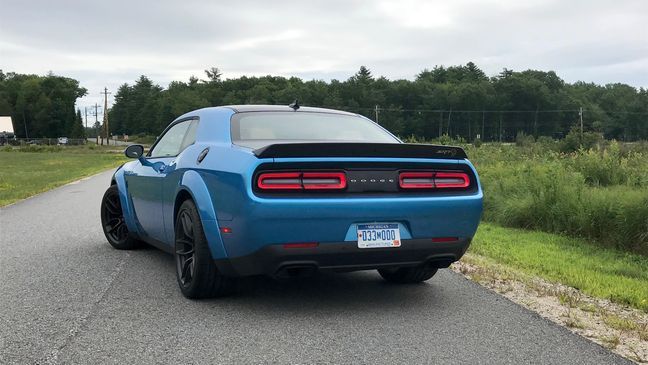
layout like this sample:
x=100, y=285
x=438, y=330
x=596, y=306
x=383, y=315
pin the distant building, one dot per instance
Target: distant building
x=6, y=130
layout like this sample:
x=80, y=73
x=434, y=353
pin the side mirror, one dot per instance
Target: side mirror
x=134, y=151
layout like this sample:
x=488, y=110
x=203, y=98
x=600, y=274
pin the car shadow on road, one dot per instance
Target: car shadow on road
x=334, y=291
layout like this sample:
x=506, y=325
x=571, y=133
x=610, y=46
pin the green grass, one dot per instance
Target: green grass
x=23, y=174
x=619, y=276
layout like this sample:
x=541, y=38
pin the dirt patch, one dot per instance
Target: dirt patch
x=621, y=329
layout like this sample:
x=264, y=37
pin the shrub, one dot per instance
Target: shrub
x=598, y=194
x=447, y=140
x=575, y=141
x=524, y=140
x=39, y=148
x=477, y=142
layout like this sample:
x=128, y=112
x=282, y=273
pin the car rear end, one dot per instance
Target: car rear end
x=344, y=206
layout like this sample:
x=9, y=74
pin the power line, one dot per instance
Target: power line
x=504, y=111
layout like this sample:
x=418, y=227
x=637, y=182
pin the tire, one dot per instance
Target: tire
x=408, y=275
x=113, y=224
x=196, y=271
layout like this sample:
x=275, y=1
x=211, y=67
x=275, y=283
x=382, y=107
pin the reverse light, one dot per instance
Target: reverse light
x=451, y=180
x=433, y=180
x=324, y=180
x=302, y=181
x=416, y=180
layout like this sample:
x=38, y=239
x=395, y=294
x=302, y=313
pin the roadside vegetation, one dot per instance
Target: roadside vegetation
x=31, y=170
x=591, y=189
x=618, y=276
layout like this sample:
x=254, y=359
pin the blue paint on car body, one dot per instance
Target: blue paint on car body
x=222, y=186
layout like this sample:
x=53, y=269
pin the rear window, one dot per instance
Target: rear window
x=258, y=129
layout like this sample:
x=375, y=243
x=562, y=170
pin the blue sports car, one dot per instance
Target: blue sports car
x=286, y=191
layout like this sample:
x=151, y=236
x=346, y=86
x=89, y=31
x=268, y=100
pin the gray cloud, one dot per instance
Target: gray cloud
x=109, y=43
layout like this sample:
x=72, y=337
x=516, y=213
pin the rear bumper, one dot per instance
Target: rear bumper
x=275, y=260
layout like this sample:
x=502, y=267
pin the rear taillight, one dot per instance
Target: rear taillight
x=433, y=180
x=302, y=181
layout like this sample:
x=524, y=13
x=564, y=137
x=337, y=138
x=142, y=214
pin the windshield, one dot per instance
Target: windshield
x=258, y=129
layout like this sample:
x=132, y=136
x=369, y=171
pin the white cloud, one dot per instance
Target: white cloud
x=107, y=44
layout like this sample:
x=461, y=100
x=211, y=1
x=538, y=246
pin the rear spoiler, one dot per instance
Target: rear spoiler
x=398, y=150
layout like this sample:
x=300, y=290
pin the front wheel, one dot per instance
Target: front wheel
x=196, y=271
x=408, y=275
x=113, y=223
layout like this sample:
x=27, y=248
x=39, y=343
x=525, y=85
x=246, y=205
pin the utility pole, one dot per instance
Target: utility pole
x=483, y=119
x=25, y=123
x=449, y=117
x=535, y=122
x=469, y=131
x=580, y=115
x=500, y=129
x=376, y=112
x=97, y=122
x=440, y=123
x=106, y=125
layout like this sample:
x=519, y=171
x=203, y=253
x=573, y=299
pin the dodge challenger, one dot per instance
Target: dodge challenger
x=288, y=191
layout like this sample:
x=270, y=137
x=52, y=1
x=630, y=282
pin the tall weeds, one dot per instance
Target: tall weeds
x=600, y=193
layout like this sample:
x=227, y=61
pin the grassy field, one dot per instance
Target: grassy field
x=600, y=194
x=597, y=200
x=601, y=272
x=23, y=174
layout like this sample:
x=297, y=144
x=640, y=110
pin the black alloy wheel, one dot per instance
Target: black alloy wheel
x=113, y=223
x=196, y=271
x=185, y=248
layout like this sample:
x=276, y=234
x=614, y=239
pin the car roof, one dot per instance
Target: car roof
x=282, y=108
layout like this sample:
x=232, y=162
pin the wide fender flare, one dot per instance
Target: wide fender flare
x=194, y=184
x=127, y=206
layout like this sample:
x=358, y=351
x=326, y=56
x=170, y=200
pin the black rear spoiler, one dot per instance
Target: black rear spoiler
x=399, y=150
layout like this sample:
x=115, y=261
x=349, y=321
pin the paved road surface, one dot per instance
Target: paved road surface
x=67, y=297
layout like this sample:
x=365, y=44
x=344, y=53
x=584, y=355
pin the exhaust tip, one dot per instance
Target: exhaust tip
x=296, y=271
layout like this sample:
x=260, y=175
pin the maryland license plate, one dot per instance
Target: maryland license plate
x=377, y=235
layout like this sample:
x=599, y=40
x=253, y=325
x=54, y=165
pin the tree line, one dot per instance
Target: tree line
x=41, y=106
x=456, y=101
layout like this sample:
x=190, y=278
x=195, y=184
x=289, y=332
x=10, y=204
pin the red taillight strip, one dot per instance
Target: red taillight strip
x=445, y=239
x=302, y=181
x=433, y=180
x=324, y=180
x=280, y=180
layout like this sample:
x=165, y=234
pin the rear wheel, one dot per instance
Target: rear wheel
x=112, y=221
x=196, y=271
x=408, y=275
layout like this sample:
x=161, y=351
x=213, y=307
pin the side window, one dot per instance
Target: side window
x=171, y=142
x=190, y=137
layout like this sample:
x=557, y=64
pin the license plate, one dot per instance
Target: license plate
x=377, y=235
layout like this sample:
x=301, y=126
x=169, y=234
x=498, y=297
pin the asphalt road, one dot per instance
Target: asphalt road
x=67, y=297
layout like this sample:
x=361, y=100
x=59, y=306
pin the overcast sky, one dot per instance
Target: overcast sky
x=108, y=43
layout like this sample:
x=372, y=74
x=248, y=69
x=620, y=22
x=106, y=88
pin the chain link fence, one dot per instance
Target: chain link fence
x=42, y=141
